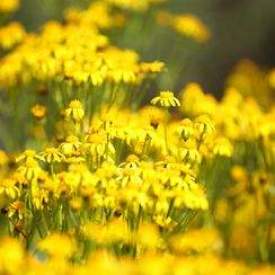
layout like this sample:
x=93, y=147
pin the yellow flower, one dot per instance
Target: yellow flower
x=114, y=231
x=148, y=236
x=4, y=158
x=16, y=208
x=185, y=24
x=70, y=146
x=200, y=241
x=9, y=188
x=132, y=161
x=185, y=129
x=191, y=26
x=30, y=169
x=240, y=176
x=166, y=99
x=204, y=125
x=12, y=260
x=75, y=111
x=223, y=147
x=9, y=5
x=153, y=67
x=76, y=203
x=153, y=115
x=27, y=155
x=57, y=246
x=39, y=111
x=11, y=35
x=97, y=15
x=195, y=102
x=51, y=155
x=98, y=145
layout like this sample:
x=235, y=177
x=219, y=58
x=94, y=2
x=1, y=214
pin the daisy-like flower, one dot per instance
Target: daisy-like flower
x=75, y=111
x=52, y=154
x=166, y=99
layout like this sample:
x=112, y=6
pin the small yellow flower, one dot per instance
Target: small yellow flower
x=11, y=256
x=8, y=188
x=97, y=145
x=75, y=111
x=27, y=155
x=148, y=236
x=132, y=161
x=153, y=67
x=223, y=147
x=57, y=246
x=76, y=204
x=4, y=158
x=16, y=208
x=166, y=99
x=71, y=147
x=11, y=35
x=204, y=125
x=52, y=155
x=191, y=26
x=30, y=169
x=39, y=111
x=239, y=174
x=185, y=129
x=197, y=240
x=9, y=5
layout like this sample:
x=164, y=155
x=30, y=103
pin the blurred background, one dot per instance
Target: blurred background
x=241, y=29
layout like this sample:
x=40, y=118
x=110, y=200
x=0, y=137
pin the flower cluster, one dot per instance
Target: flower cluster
x=65, y=52
x=122, y=162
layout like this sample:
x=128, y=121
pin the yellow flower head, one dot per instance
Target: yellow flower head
x=204, y=125
x=166, y=99
x=75, y=111
x=39, y=111
x=52, y=155
x=26, y=155
x=11, y=256
x=4, y=158
x=186, y=129
x=197, y=240
x=223, y=147
x=153, y=67
x=57, y=246
x=9, y=5
x=195, y=102
x=30, y=169
x=187, y=25
x=11, y=35
x=70, y=146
